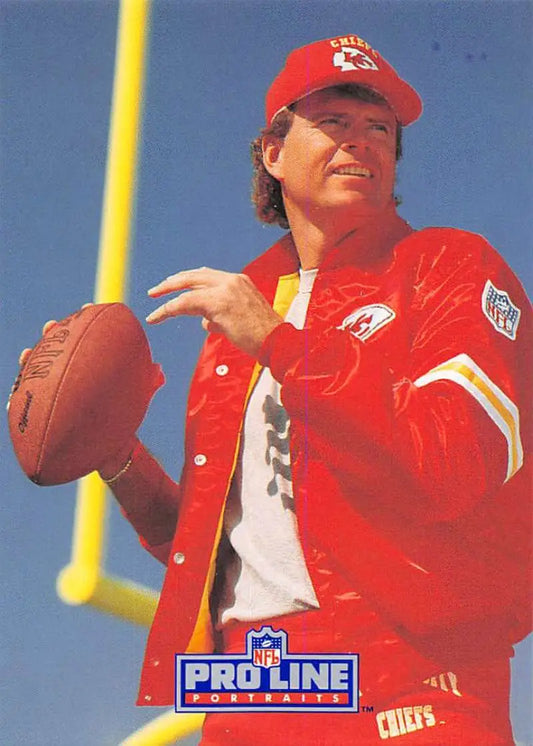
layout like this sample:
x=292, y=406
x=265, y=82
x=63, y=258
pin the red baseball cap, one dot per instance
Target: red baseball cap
x=342, y=59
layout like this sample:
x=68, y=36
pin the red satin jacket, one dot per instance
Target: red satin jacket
x=408, y=396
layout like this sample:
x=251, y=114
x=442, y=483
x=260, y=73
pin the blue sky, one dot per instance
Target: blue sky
x=70, y=674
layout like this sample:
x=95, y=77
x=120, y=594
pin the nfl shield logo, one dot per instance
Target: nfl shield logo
x=267, y=647
x=500, y=310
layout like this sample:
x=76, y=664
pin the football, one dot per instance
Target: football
x=83, y=391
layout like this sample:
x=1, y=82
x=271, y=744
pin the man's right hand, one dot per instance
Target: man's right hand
x=26, y=352
x=23, y=359
x=24, y=355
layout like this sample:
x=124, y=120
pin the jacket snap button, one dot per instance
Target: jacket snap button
x=200, y=459
x=179, y=558
x=222, y=370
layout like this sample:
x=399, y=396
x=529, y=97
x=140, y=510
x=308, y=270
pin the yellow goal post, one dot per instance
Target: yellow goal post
x=84, y=580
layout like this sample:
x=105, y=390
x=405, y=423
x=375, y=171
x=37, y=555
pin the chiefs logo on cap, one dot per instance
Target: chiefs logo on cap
x=353, y=59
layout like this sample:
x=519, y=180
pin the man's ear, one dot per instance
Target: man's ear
x=273, y=156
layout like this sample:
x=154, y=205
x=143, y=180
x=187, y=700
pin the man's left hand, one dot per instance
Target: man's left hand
x=229, y=303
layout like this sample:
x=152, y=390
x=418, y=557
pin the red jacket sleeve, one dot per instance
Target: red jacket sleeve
x=451, y=426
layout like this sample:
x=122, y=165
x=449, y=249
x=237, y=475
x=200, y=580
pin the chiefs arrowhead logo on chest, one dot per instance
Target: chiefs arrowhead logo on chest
x=366, y=321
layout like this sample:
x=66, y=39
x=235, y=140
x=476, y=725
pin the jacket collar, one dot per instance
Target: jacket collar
x=282, y=258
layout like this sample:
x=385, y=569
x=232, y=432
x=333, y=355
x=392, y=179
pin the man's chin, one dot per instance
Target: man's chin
x=358, y=206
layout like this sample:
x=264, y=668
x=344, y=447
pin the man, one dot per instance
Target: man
x=356, y=435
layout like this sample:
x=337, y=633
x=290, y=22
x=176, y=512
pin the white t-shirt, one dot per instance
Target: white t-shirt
x=266, y=575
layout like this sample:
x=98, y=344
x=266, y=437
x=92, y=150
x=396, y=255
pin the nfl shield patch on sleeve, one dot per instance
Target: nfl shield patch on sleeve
x=500, y=310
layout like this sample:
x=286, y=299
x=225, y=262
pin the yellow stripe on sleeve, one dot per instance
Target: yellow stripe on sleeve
x=502, y=411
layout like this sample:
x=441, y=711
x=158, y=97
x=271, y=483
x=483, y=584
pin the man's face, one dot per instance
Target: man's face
x=340, y=153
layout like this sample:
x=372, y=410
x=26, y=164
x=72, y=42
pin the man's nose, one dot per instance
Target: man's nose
x=354, y=138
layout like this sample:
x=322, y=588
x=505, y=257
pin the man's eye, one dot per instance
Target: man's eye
x=380, y=127
x=330, y=120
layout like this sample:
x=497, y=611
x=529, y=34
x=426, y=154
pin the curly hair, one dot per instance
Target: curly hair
x=266, y=190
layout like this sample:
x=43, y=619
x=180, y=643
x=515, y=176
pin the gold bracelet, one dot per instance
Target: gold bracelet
x=121, y=472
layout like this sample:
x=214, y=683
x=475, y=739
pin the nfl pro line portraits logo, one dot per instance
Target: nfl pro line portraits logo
x=266, y=678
